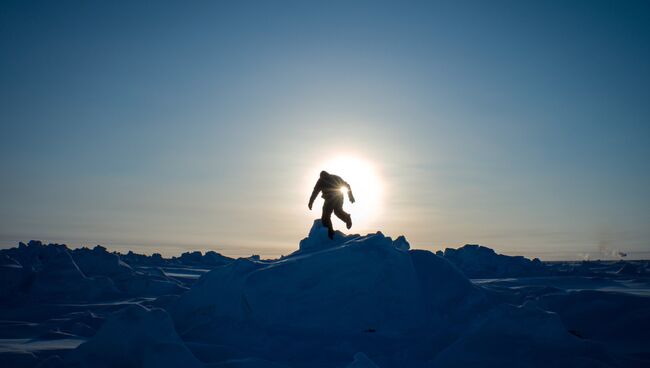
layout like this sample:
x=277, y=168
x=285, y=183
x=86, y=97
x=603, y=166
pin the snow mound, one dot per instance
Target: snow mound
x=622, y=321
x=482, y=262
x=357, y=288
x=134, y=337
x=99, y=262
x=523, y=336
x=49, y=273
x=319, y=240
x=134, y=258
x=36, y=272
x=196, y=258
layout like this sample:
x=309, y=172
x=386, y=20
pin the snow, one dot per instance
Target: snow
x=355, y=301
x=520, y=336
x=34, y=345
x=361, y=361
x=361, y=283
x=135, y=337
x=481, y=262
x=618, y=319
x=210, y=258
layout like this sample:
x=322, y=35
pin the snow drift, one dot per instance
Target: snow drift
x=331, y=300
x=135, y=337
x=37, y=272
x=482, y=262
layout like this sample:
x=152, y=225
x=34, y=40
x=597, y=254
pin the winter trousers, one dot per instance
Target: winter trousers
x=333, y=205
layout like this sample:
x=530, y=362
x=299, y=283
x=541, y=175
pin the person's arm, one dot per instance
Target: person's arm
x=314, y=193
x=350, y=196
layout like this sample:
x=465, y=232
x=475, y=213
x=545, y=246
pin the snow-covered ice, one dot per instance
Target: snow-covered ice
x=357, y=301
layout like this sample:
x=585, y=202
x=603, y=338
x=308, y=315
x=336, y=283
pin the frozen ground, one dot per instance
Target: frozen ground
x=357, y=301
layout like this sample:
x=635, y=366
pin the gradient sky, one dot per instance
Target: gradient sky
x=169, y=126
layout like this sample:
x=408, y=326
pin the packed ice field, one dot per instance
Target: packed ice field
x=357, y=301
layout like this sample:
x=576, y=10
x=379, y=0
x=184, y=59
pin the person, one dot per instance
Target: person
x=332, y=187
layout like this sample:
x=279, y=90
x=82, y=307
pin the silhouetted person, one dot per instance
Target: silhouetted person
x=331, y=186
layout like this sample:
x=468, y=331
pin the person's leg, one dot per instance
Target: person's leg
x=326, y=218
x=338, y=211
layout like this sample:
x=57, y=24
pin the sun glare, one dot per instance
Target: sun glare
x=366, y=187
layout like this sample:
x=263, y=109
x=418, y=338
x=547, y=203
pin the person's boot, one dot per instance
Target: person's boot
x=348, y=222
x=330, y=233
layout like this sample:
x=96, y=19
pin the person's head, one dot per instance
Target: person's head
x=324, y=174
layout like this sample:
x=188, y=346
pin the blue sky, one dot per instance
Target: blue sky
x=168, y=126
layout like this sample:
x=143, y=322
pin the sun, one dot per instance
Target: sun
x=366, y=186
